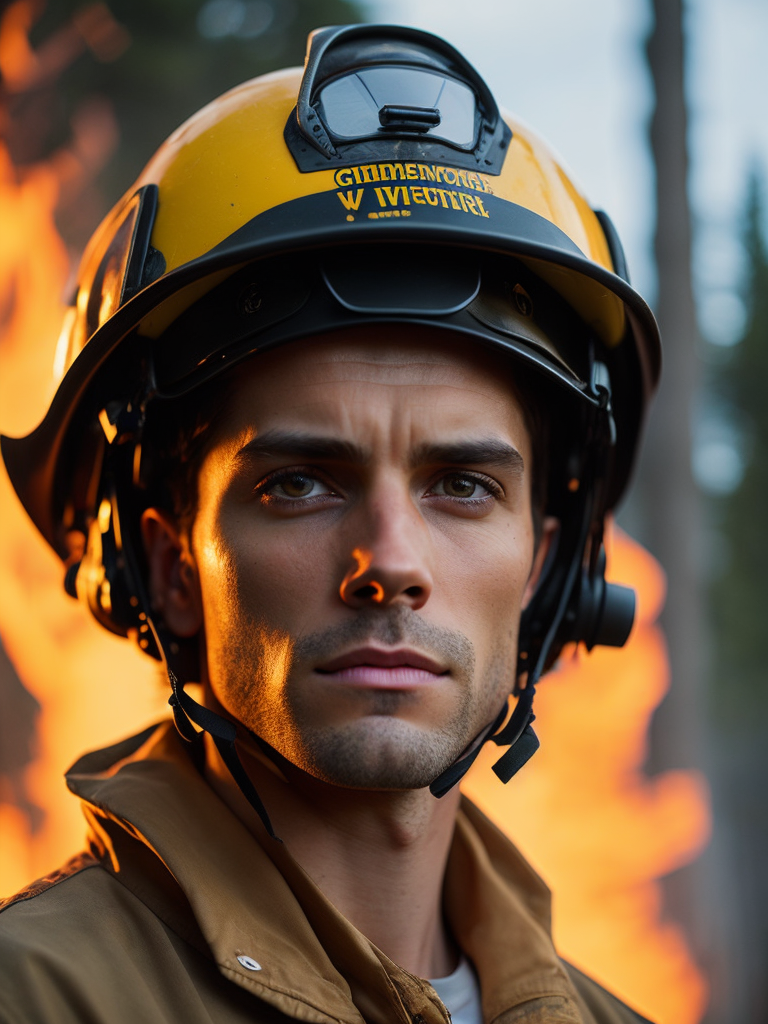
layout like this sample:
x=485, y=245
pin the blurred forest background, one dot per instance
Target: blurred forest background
x=111, y=80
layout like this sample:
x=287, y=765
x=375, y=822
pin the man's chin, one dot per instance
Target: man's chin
x=378, y=752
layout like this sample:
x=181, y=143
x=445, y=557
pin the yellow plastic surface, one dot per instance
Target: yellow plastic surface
x=229, y=163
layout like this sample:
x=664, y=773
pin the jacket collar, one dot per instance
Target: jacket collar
x=313, y=965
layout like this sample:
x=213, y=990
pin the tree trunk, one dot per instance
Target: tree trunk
x=669, y=504
x=671, y=513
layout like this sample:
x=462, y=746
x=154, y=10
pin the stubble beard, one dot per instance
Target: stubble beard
x=381, y=749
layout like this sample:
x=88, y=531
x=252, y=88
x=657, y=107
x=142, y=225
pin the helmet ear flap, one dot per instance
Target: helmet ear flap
x=98, y=582
x=600, y=612
x=596, y=613
x=102, y=579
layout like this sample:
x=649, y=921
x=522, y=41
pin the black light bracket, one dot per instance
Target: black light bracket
x=615, y=248
x=382, y=74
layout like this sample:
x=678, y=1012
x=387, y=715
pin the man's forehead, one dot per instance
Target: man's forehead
x=394, y=370
x=433, y=382
x=396, y=355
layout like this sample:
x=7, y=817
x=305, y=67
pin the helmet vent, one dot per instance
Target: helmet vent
x=408, y=280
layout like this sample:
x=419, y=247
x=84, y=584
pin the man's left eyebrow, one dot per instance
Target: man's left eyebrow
x=490, y=452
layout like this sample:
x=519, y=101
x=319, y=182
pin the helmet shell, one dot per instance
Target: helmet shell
x=230, y=187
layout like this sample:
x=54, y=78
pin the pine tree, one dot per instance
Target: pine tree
x=170, y=58
x=738, y=672
x=740, y=594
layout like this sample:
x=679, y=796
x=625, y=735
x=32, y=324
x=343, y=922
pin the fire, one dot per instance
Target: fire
x=90, y=687
x=600, y=831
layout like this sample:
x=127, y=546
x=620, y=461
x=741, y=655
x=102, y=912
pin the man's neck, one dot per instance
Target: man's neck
x=378, y=857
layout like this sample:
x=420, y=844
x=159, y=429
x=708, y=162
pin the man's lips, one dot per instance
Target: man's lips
x=383, y=669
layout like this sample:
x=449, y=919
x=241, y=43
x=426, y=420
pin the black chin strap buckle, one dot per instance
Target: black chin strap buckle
x=518, y=736
x=183, y=725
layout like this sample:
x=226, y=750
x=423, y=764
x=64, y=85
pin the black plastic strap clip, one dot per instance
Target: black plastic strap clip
x=518, y=736
x=408, y=119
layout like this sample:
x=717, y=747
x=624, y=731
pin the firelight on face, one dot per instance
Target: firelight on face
x=364, y=546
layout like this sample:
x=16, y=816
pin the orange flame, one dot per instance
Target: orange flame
x=600, y=831
x=90, y=686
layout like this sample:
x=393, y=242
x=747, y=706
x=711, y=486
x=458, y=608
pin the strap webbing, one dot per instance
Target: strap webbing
x=185, y=712
x=517, y=734
x=455, y=772
x=512, y=760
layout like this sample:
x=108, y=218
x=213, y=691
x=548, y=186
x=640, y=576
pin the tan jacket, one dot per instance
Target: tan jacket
x=147, y=926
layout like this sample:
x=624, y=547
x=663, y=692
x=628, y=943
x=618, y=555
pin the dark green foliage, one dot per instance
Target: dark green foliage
x=168, y=71
x=740, y=594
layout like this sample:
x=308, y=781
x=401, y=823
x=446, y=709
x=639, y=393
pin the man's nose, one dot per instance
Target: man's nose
x=390, y=566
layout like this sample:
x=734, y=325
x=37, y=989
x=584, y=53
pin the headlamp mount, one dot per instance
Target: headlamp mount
x=373, y=92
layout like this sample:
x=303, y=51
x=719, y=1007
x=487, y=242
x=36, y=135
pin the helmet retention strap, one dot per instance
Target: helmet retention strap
x=455, y=772
x=187, y=711
x=517, y=735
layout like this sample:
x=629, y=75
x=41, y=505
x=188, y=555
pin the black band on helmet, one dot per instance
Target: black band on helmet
x=268, y=303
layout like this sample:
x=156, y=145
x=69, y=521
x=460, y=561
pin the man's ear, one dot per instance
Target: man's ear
x=549, y=529
x=174, y=586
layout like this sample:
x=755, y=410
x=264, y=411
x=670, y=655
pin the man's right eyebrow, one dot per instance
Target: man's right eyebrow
x=296, y=445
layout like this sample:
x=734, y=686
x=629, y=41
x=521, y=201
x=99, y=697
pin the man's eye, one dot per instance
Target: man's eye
x=461, y=485
x=294, y=486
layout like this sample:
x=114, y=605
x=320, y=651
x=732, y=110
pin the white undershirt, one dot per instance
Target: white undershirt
x=460, y=994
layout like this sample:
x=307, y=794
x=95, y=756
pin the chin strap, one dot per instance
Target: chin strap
x=455, y=772
x=186, y=712
x=517, y=734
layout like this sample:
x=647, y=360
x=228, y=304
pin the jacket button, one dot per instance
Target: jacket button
x=249, y=963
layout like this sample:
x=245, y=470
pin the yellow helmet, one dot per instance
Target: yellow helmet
x=382, y=183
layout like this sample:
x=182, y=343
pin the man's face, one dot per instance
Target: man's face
x=364, y=545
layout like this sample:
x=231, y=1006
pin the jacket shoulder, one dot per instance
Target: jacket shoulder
x=604, y=1007
x=73, y=866
x=81, y=945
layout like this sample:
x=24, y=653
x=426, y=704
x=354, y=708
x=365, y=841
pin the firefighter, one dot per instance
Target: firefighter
x=352, y=377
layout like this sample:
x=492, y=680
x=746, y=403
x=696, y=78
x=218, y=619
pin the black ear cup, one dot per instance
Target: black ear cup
x=100, y=578
x=600, y=612
x=617, y=617
x=104, y=581
x=107, y=579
